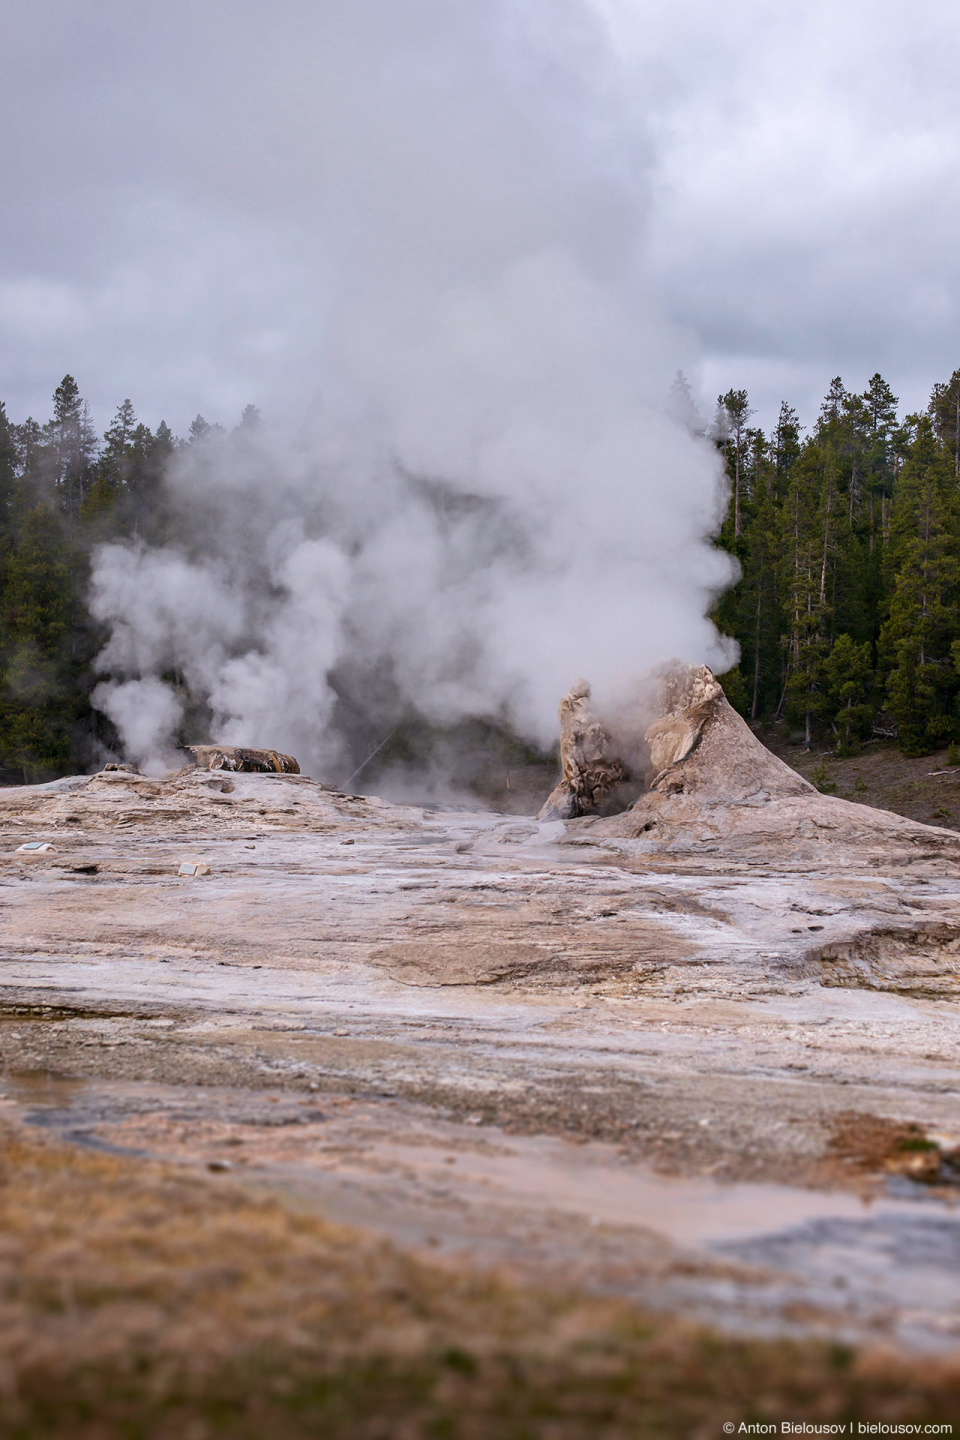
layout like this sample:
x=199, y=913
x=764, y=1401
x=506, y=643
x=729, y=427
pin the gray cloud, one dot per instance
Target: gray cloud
x=193, y=182
x=181, y=182
x=808, y=194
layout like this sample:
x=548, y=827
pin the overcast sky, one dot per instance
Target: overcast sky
x=187, y=188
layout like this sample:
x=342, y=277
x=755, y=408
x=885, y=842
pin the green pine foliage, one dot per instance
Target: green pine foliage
x=924, y=589
x=63, y=491
x=848, y=539
x=38, y=694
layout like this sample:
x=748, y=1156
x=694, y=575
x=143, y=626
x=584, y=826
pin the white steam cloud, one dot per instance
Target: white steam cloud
x=492, y=497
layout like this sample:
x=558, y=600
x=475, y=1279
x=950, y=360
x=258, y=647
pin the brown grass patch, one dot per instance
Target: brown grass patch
x=921, y=787
x=139, y=1301
x=875, y=1143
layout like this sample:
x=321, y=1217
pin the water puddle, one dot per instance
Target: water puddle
x=40, y=1090
x=686, y=1210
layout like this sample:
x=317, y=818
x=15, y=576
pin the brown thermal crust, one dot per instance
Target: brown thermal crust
x=589, y=773
x=243, y=759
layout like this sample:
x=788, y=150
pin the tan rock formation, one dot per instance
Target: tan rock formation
x=240, y=758
x=590, y=775
x=717, y=793
x=700, y=745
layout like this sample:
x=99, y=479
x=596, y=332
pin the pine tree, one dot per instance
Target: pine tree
x=8, y=476
x=880, y=459
x=923, y=566
x=38, y=702
x=105, y=508
x=116, y=458
x=97, y=509
x=832, y=409
x=785, y=449
x=682, y=407
x=73, y=444
x=148, y=517
x=165, y=442
x=848, y=673
x=944, y=410
x=202, y=430
x=30, y=446
x=762, y=573
x=880, y=405
x=733, y=412
x=805, y=553
x=8, y=488
x=140, y=451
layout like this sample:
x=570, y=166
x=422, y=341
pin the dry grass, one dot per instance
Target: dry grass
x=138, y=1301
x=921, y=787
x=878, y=1145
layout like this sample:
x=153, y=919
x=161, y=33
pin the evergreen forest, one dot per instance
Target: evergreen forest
x=847, y=539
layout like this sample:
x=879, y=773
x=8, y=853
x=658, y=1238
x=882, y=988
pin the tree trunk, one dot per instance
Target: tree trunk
x=756, y=656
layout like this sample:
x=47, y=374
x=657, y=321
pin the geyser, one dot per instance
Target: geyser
x=492, y=492
x=592, y=776
x=715, y=797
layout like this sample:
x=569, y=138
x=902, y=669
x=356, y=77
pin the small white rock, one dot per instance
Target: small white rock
x=191, y=868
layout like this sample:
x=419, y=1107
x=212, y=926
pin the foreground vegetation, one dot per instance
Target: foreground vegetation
x=847, y=611
x=140, y=1300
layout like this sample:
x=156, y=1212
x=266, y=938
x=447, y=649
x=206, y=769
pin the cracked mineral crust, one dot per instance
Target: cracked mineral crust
x=484, y=1028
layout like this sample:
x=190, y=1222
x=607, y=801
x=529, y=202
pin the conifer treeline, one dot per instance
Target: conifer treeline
x=849, y=545
x=64, y=490
x=848, y=540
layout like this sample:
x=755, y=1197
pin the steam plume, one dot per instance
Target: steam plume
x=492, y=496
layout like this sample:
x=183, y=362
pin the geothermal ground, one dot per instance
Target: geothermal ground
x=718, y=1090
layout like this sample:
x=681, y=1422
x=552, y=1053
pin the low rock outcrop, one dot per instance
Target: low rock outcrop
x=242, y=759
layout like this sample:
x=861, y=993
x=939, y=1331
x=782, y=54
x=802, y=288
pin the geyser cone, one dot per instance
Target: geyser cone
x=717, y=793
x=592, y=776
x=243, y=759
x=699, y=745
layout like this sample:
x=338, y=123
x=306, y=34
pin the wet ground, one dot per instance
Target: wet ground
x=712, y=1094
x=750, y=1257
